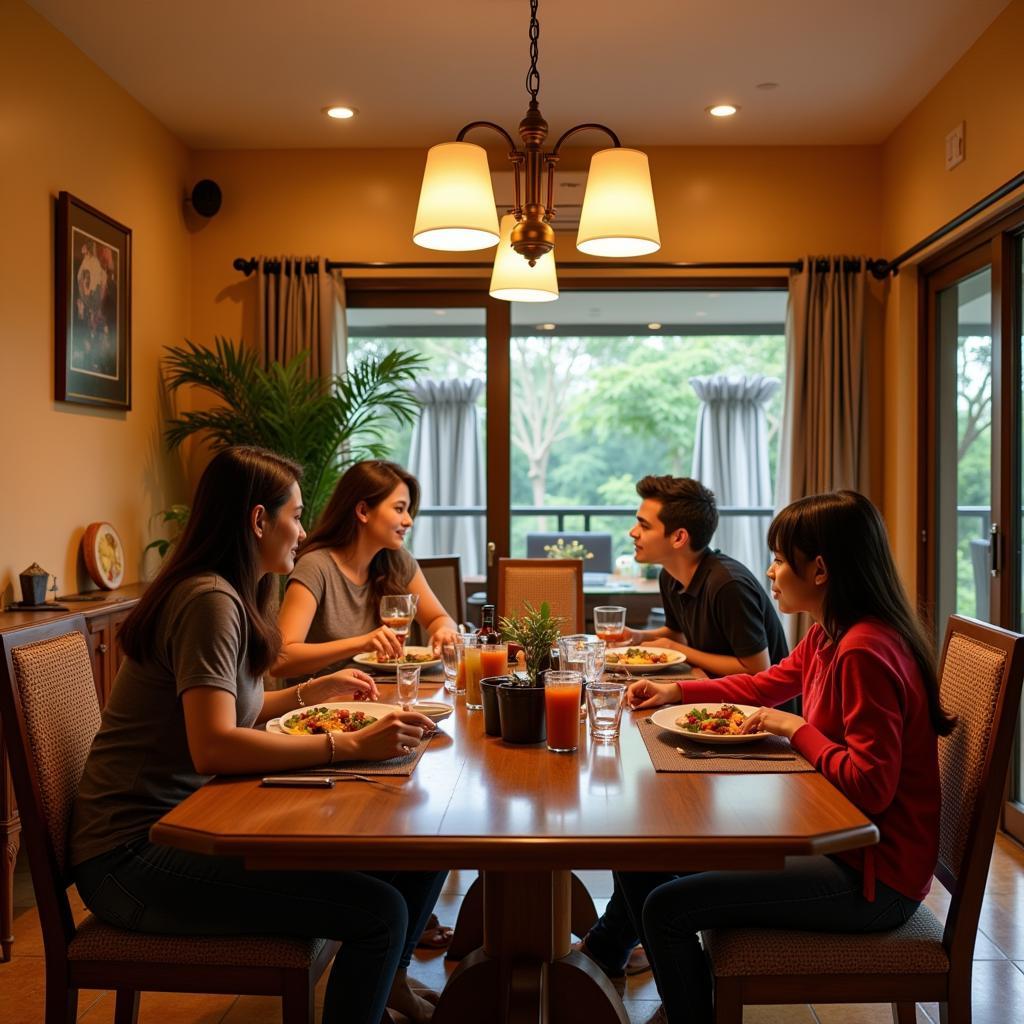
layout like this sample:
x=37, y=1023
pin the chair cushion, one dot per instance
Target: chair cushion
x=914, y=948
x=98, y=941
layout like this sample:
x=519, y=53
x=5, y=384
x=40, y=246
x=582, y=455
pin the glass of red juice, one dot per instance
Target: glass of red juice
x=562, y=707
x=493, y=660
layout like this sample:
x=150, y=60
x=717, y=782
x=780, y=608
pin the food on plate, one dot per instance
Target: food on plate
x=726, y=720
x=315, y=721
x=409, y=658
x=638, y=656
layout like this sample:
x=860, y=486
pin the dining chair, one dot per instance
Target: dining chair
x=924, y=960
x=50, y=713
x=558, y=581
x=443, y=574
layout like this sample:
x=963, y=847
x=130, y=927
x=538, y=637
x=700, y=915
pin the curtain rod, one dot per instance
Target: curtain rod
x=881, y=268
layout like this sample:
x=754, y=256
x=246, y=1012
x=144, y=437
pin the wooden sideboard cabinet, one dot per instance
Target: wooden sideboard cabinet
x=104, y=613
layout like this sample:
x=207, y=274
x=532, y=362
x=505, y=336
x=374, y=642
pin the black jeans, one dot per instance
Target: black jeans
x=378, y=916
x=809, y=894
x=614, y=935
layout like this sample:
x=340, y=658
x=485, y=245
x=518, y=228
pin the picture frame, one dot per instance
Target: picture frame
x=93, y=351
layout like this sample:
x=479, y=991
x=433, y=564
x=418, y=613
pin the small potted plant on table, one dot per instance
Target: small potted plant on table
x=521, y=702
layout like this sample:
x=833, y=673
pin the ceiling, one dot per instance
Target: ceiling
x=256, y=73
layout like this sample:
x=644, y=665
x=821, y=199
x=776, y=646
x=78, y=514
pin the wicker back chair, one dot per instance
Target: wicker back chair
x=924, y=960
x=50, y=714
x=559, y=581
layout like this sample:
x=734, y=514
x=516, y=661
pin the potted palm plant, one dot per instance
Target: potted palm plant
x=521, y=701
x=323, y=424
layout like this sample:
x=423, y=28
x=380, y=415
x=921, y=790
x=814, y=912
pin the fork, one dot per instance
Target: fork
x=705, y=755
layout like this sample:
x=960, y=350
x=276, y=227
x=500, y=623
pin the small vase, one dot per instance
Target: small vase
x=521, y=710
x=489, y=693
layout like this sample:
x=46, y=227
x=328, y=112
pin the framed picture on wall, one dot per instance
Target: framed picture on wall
x=94, y=305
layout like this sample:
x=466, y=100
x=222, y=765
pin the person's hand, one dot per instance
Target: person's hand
x=646, y=694
x=444, y=635
x=348, y=682
x=392, y=735
x=669, y=645
x=778, y=723
x=384, y=643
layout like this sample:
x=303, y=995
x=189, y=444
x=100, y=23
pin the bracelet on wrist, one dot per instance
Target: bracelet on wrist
x=298, y=692
x=330, y=744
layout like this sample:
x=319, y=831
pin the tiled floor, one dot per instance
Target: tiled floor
x=998, y=969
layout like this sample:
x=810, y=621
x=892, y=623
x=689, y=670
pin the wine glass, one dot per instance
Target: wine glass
x=396, y=612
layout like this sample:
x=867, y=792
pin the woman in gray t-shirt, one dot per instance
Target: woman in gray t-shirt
x=183, y=709
x=353, y=557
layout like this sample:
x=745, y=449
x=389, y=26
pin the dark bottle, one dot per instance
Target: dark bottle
x=488, y=632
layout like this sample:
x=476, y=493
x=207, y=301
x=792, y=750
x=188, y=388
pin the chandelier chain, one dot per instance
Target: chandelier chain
x=533, y=75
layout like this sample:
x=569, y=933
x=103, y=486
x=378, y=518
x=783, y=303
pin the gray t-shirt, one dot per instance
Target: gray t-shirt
x=343, y=608
x=139, y=766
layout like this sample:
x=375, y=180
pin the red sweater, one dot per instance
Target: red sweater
x=868, y=732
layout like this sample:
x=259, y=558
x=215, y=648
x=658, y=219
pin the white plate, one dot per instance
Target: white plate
x=369, y=707
x=435, y=710
x=666, y=718
x=368, y=659
x=676, y=659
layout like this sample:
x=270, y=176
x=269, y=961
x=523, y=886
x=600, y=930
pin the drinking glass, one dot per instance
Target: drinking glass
x=408, y=680
x=469, y=670
x=396, y=612
x=450, y=664
x=561, y=706
x=493, y=660
x=610, y=623
x=605, y=702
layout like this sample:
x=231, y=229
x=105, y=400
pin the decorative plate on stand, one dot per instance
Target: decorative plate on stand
x=104, y=555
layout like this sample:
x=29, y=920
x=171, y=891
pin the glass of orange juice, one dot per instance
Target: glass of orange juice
x=493, y=660
x=468, y=649
x=562, y=707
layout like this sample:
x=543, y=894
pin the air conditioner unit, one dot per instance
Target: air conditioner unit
x=569, y=189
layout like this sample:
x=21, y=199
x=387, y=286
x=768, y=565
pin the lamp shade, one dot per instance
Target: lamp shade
x=513, y=279
x=618, y=216
x=456, y=211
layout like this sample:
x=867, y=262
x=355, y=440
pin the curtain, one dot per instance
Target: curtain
x=446, y=456
x=730, y=455
x=296, y=312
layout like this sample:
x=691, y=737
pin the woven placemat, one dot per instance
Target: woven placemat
x=400, y=766
x=661, y=746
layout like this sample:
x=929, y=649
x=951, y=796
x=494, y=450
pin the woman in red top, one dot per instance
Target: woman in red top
x=871, y=718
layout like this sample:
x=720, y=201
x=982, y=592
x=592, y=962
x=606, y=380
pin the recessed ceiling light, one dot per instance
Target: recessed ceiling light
x=654, y=326
x=546, y=327
x=340, y=113
x=722, y=110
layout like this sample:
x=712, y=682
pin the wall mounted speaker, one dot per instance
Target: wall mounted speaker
x=206, y=197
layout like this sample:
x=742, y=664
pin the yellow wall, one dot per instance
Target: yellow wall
x=64, y=125
x=985, y=89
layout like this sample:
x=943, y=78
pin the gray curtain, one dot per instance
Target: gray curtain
x=446, y=456
x=730, y=455
x=296, y=312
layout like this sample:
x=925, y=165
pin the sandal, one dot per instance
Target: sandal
x=435, y=935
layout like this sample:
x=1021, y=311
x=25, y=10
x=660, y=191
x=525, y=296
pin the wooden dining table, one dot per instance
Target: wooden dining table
x=525, y=817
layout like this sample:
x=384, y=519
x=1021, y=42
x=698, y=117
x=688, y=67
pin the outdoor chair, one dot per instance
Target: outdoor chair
x=50, y=715
x=558, y=581
x=924, y=960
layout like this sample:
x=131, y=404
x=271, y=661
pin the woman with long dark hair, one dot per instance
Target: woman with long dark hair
x=871, y=718
x=183, y=708
x=353, y=557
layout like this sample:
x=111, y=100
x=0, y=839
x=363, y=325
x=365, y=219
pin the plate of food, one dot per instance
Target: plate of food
x=333, y=717
x=643, y=660
x=708, y=723
x=422, y=656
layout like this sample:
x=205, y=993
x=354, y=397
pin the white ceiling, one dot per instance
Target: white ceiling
x=255, y=73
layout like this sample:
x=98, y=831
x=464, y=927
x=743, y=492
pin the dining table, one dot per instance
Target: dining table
x=525, y=817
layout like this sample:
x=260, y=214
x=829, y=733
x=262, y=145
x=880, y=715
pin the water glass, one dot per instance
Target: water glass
x=605, y=702
x=408, y=679
x=450, y=664
x=610, y=623
x=561, y=706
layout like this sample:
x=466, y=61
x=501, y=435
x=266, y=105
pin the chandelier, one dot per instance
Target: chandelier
x=457, y=211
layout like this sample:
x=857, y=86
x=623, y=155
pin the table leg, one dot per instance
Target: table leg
x=525, y=972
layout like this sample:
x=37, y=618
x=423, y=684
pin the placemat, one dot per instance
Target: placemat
x=661, y=746
x=401, y=766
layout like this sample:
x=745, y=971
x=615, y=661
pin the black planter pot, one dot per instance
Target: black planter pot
x=521, y=709
x=489, y=694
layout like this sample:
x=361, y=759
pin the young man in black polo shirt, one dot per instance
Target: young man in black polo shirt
x=716, y=613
